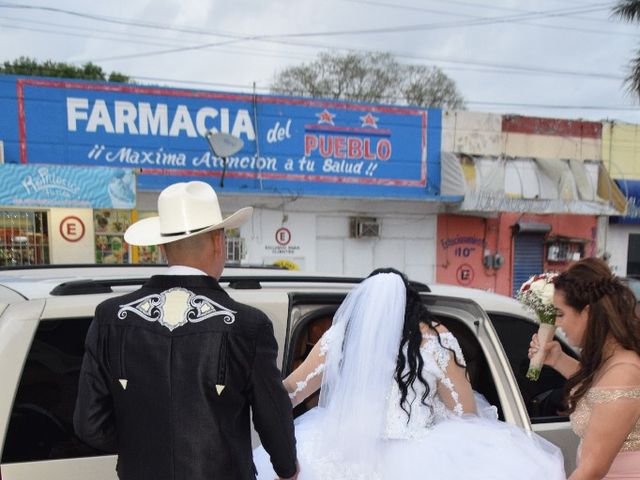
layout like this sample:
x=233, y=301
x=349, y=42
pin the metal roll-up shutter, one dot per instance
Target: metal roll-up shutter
x=527, y=258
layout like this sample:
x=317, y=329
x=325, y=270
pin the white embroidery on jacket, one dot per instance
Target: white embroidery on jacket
x=176, y=307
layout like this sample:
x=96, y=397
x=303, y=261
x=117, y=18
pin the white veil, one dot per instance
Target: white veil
x=360, y=366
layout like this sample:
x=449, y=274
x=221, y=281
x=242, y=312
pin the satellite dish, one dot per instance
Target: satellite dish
x=224, y=145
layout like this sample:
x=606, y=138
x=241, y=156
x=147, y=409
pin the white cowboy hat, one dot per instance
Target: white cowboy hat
x=184, y=210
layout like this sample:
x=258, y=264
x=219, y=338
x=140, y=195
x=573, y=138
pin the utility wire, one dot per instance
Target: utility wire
x=533, y=24
x=497, y=67
x=396, y=29
x=246, y=88
x=473, y=5
x=235, y=36
x=124, y=38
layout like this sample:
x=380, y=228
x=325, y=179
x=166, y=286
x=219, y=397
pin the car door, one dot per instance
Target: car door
x=39, y=440
x=543, y=398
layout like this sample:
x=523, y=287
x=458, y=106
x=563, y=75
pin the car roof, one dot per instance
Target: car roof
x=40, y=281
x=489, y=301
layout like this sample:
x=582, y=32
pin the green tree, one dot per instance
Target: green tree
x=629, y=10
x=369, y=77
x=49, y=68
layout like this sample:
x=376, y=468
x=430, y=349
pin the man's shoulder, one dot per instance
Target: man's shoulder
x=251, y=314
x=115, y=303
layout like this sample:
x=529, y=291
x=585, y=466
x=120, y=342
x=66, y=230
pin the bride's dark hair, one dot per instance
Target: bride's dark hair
x=409, y=367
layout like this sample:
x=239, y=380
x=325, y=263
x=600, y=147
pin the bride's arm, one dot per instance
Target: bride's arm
x=307, y=378
x=454, y=388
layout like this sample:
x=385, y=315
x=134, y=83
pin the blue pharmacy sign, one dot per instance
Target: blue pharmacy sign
x=292, y=146
x=63, y=186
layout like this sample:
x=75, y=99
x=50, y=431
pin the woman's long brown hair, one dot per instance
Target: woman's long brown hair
x=590, y=282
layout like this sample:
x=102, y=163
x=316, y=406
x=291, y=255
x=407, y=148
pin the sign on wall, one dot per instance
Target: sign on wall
x=292, y=145
x=63, y=186
x=72, y=235
x=291, y=244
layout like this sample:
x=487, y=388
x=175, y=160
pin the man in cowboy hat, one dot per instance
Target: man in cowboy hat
x=172, y=370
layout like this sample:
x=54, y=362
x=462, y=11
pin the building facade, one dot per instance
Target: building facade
x=337, y=187
x=621, y=154
x=535, y=191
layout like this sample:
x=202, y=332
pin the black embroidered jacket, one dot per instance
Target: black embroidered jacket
x=169, y=377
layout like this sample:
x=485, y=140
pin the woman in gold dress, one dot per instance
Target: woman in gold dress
x=597, y=314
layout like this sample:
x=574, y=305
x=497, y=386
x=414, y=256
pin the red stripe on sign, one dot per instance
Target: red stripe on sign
x=331, y=128
x=423, y=172
x=21, y=122
x=551, y=126
x=286, y=176
x=170, y=92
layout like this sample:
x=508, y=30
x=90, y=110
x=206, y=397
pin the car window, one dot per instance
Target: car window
x=544, y=397
x=41, y=425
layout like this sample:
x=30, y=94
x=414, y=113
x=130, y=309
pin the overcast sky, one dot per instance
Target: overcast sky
x=551, y=58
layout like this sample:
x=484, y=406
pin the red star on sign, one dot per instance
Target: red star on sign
x=369, y=121
x=325, y=117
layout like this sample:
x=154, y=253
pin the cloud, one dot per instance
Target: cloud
x=499, y=67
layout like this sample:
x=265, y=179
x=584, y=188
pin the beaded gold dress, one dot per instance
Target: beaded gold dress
x=627, y=463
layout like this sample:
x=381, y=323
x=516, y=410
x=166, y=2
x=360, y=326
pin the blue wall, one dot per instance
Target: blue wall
x=304, y=147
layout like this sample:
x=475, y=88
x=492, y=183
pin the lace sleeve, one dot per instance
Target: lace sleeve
x=454, y=388
x=307, y=378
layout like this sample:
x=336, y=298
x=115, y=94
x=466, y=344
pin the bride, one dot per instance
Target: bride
x=396, y=403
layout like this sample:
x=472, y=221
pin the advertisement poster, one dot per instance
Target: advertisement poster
x=64, y=186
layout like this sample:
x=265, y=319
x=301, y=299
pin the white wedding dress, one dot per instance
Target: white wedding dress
x=360, y=431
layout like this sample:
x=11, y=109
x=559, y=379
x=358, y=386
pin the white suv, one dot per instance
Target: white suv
x=45, y=313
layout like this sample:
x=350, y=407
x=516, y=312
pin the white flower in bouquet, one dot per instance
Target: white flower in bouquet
x=546, y=296
x=537, y=295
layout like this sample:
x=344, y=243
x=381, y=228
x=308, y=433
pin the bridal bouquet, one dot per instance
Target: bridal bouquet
x=537, y=295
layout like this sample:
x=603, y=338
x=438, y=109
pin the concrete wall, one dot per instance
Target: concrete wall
x=617, y=246
x=406, y=242
x=462, y=241
x=516, y=136
x=621, y=150
x=314, y=233
x=472, y=133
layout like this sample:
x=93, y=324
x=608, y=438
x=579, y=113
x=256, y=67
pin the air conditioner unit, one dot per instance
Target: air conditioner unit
x=364, y=227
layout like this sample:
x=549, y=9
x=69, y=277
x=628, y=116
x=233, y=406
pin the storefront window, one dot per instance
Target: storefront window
x=23, y=238
x=110, y=225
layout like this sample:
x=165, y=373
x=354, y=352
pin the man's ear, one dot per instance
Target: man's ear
x=218, y=241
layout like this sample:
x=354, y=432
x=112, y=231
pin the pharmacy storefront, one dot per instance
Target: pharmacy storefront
x=337, y=187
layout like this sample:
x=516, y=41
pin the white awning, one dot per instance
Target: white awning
x=528, y=185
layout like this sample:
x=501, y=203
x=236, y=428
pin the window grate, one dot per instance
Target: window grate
x=23, y=238
x=235, y=249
